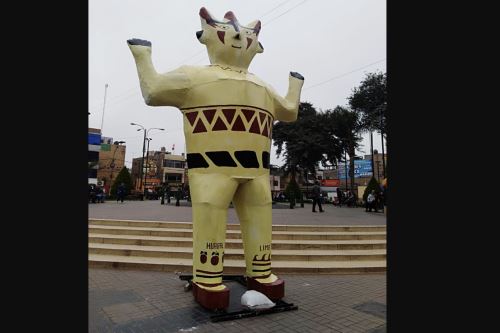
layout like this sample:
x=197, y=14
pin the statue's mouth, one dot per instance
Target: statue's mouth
x=236, y=47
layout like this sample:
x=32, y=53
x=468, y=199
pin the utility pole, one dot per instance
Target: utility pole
x=371, y=151
x=345, y=168
x=104, y=105
x=382, y=137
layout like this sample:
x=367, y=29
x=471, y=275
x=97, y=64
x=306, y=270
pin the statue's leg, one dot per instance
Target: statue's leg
x=253, y=205
x=211, y=195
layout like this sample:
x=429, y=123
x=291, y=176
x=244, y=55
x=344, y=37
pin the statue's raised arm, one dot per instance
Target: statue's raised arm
x=168, y=89
x=287, y=108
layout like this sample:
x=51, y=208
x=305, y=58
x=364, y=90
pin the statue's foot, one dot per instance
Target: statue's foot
x=271, y=286
x=212, y=298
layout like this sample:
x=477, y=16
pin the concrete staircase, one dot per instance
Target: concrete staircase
x=167, y=246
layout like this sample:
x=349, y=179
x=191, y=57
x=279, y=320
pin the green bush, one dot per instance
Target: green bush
x=372, y=185
x=123, y=177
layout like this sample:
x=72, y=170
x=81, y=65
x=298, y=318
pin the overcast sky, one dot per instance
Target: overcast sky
x=333, y=44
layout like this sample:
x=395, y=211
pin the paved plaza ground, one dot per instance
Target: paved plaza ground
x=154, y=211
x=149, y=301
x=144, y=301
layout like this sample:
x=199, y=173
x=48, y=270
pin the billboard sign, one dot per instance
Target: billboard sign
x=330, y=182
x=362, y=168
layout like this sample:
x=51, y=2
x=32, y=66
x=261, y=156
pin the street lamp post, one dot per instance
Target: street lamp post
x=147, y=165
x=143, y=148
x=141, y=171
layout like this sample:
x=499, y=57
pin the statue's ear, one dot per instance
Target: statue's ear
x=230, y=17
x=206, y=20
x=255, y=25
x=205, y=16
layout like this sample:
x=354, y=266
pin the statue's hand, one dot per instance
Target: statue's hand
x=297, y=75
x=136, y=41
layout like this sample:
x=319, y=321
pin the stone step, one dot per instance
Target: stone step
x=236, y=254
x=236, y=234
x=189, y=225
x=369, y=244
x=237, y=266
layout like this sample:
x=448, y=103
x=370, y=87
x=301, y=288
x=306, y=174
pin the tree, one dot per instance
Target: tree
x=123, y=177
x=373, y=185
x=302, y=141
x=370, y=99
x=292, y=192
x=344, y=126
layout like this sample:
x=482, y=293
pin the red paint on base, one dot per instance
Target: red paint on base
x=274, y=291
x=212, y=300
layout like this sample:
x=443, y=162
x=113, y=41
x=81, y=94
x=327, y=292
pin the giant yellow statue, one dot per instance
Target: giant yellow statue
x=228, y=119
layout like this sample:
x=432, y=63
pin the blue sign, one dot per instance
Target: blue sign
x=362, y=168
x=94, y=139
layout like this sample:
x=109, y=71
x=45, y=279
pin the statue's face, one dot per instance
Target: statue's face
x=228, y=42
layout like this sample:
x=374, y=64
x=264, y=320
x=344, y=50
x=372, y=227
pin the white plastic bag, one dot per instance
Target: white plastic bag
x=254, y=300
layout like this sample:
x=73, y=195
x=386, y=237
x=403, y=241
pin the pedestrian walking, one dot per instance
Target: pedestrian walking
x=316, y=196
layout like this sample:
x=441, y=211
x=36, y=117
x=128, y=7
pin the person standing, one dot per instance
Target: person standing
x=316, y=196
x=92, y=193
x=339, y=196
x=350, y=200
x=163, y=193
x=120, y=192
x=99, y=194
x=371, y=202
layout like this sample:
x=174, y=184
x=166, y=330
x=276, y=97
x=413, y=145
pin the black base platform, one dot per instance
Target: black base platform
x=237, y=286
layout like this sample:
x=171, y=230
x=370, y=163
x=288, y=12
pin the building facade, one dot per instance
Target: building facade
x=175, y=170
x=160, y=167
x=111, y=161
x=378, y=165
x=94, y=147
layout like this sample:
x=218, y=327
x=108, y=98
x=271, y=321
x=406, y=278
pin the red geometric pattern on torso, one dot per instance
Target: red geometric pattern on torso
x=229, y=114
x=248, y=114
x=219, y=125
x=191, y=116
x=209, y=114
x=254, y=128
x=200, y=127
x=238, y=125
x=230, y=119
x=262, y=116
x=265, y=132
